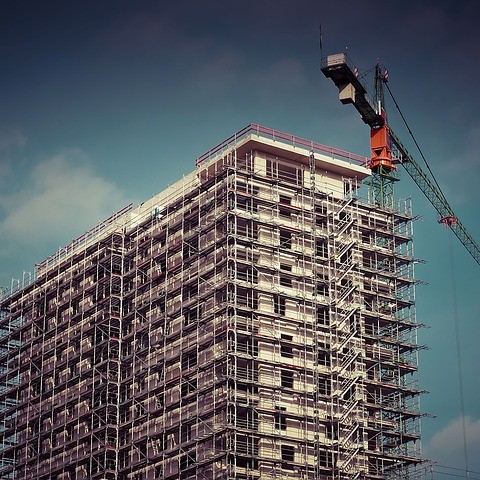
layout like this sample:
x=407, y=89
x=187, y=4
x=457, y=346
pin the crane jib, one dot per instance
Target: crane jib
x=387, y=148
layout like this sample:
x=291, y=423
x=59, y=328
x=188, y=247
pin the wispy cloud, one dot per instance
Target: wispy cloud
x=229, y=70
x=11, y=138
x=287, y=72
x=219, y=73
x=463, y=169
x=143, y=28
x=62, y=197
x=153, y=29
x=446, y=446
x=429, y=21
x=5, y=169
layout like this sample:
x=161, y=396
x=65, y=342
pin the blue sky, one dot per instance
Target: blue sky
x=104, y=103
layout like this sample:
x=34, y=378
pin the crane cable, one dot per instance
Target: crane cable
x=459, y=358
x=454, y=296
x=414, y=140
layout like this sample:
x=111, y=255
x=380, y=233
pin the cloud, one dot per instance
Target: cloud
x=432, y=30
x=12, y=138
x=461, y=187
x=471, y=154
x=218, y=74
x=446, y=446
x=287, y=72
x=62, y=198
x=143, y=28
x=154, y=29
x=5, y=169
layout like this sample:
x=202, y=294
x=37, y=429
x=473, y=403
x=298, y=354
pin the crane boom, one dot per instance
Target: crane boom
x=387, y=149
x=436, y=198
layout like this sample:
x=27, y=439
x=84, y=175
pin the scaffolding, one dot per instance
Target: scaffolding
x=254, y=321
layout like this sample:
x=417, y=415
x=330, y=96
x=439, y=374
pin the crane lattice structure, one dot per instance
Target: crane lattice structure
x=386, y=148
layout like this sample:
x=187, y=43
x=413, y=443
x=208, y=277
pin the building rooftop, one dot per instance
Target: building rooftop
x=249, y=138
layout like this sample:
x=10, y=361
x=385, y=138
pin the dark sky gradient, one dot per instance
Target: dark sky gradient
x=103, y=103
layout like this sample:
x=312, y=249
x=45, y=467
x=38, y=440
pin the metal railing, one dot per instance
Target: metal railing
x=286, y=138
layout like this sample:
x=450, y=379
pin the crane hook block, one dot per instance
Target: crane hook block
x=450, y=220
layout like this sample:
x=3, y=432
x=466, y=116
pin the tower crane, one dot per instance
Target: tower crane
x=387, y=150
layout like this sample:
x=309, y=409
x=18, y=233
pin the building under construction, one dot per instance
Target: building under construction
x=255, y=320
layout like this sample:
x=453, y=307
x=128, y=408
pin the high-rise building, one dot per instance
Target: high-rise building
x=255, y=320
